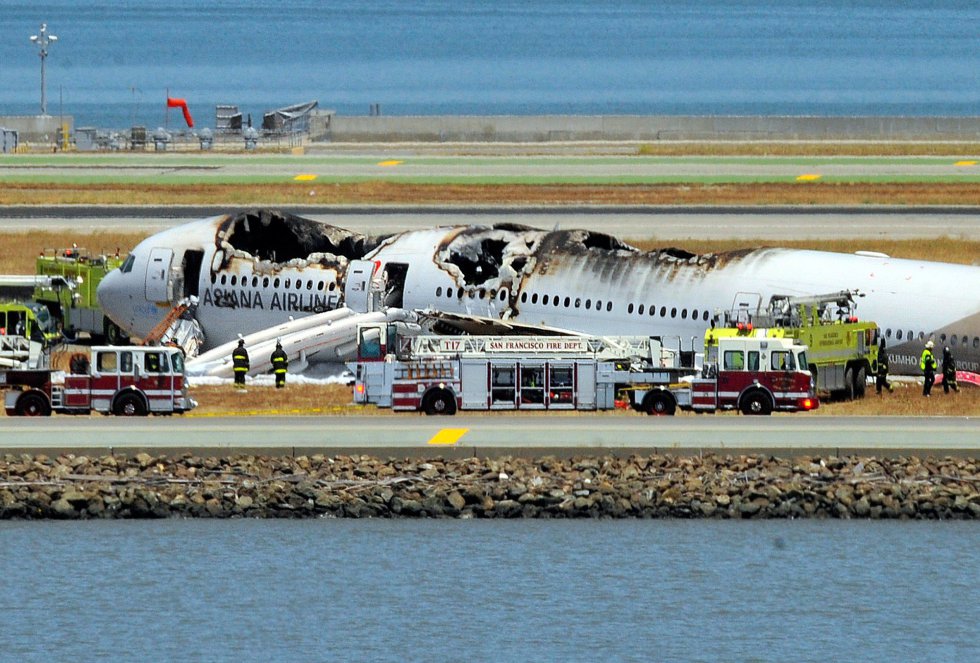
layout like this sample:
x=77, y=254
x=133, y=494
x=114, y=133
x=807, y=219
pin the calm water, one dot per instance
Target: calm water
x=114, y=61
x=489, y=591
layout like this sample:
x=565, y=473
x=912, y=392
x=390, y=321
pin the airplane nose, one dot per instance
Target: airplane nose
x=113, y=298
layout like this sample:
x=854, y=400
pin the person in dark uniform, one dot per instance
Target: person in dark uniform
x=280, y=362
x=881, y=377
x=239, y=359
x=949, y=371
x=928, y=365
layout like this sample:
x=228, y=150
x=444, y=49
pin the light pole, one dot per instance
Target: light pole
x=42, y=40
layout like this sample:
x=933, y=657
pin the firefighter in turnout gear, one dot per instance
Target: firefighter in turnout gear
x=240, y=360
x=280, y=362
x=949, y=371
x=881, y=377
x=928, y=365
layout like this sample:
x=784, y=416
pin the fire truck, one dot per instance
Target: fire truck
x=843, y=351
x=127, y=381
x=76, y=308
x=443, y=374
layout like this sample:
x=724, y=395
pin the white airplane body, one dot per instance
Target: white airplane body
x=255, y=270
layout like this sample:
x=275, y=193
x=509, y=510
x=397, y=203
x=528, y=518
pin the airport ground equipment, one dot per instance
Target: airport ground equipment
x=842, y=350
x=443, y=374
x=76, y=309
x=127, y=381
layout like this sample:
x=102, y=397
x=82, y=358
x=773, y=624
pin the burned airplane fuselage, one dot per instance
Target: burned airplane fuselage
x=253, y=270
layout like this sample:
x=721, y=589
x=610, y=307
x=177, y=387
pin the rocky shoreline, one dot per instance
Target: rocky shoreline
x=656, y=486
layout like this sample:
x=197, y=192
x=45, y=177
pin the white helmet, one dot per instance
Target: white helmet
x=929, y=345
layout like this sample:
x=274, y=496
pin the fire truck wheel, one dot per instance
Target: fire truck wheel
x=860, y=381
x=659, y=403
x=756, y=403
x=850, y=383
x=129, y=405
x=33, y=405
x=439, y=401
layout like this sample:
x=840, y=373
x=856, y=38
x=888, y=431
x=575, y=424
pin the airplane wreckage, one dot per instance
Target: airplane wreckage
x=266, y=275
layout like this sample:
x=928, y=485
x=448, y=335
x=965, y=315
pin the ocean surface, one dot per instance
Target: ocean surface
x=328, y=590
x=114, y=62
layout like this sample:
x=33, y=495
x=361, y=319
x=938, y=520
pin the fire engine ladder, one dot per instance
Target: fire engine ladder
x=600, y=347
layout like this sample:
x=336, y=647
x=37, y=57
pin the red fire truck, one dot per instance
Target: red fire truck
x=752, y=375
x=443, y=374
x=127, y=381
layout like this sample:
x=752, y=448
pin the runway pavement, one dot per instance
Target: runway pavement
x=420, y=436
x=670, y=224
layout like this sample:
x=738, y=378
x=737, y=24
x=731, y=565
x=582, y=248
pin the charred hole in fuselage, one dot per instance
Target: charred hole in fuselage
x=677, y=254
x=479, y=262
x=591, y=240
x=280, y=237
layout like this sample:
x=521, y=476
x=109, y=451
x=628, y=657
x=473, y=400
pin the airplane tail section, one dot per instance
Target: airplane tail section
x=329, y=336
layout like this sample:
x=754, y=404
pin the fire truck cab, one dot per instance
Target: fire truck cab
x=751, y=375
x=127, y=381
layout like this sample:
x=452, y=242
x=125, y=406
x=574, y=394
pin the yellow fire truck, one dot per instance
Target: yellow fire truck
x=843, y=351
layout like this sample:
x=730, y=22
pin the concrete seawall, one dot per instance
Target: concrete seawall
x=558, y=128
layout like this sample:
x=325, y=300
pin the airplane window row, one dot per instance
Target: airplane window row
x=953, y=340
x=589, y=304
x=276, y=282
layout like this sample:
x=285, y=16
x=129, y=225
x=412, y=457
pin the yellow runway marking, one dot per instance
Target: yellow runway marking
x=965, y=163
x=448, y=436
x=390, y=162
x=305, y=177
x=808, y=177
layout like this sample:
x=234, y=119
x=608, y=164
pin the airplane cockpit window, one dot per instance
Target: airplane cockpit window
x=127, y=265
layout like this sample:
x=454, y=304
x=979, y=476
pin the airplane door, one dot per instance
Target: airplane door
x=357, y=291
x=158, y=275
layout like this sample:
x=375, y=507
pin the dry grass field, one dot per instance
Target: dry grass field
x=380, y=193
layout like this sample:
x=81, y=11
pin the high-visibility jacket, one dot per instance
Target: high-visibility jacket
x=239, y=359
x=927, y=362
x=280, y=362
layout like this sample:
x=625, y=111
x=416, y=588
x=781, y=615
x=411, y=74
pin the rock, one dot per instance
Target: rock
x=62, y=508
x=456, y=500
x=861, y=507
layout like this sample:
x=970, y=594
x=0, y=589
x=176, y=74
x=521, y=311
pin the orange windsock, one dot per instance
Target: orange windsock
x=182, y=105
